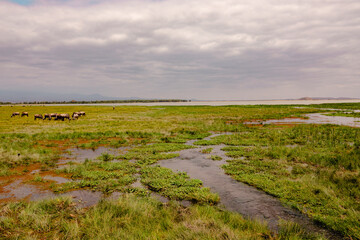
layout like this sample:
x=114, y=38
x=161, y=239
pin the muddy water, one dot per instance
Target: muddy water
x=234, y=195
x=314, y=118
x=80, y=154
x=19, y=190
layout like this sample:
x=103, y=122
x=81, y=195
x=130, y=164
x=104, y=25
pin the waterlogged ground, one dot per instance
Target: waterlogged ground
x=172, y=153
x=234, y=195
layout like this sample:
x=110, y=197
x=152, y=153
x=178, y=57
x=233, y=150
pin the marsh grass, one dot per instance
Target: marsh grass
x=104, y=176
x=176, y=185
x=206, y=150
x=312, y=168
x=150, y=154
x=129, y=217
x=215, y=158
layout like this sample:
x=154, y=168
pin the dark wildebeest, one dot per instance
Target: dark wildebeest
x=36, y=116
x=62, y=116
x=15, y=114
x=47, y=116
x=24, y=114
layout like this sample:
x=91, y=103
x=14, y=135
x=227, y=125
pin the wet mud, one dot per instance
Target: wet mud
x=237, y=196
x=28, y=192
x=21, y=187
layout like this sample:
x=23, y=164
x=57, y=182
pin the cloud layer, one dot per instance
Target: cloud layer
x=230, y=49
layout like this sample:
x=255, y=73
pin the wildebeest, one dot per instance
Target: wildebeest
x=47, y=116
x=75, y=116
x=62, y=116
x=53, y=115
x=15, y=114
x=79, y=114
x=24, y=114
x=36, y=116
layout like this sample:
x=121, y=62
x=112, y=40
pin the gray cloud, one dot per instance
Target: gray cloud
x=211, y=49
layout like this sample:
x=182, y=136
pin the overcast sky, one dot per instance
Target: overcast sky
x=203, y=49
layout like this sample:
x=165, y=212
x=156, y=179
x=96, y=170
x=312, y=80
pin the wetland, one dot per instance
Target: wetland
x=181, y=172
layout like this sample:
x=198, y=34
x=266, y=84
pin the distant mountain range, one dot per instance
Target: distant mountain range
x=23, y=96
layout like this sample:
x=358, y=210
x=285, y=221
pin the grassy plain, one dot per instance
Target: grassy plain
x=312, y=168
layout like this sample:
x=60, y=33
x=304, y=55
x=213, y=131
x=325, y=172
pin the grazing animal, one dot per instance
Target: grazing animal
x=47, y=116
x=24, y=114
x=15, y=114
x=75, y=116
x=53, y=115
x=62, y=116
x=36, y=116
x=82, y=114
x=76, y=113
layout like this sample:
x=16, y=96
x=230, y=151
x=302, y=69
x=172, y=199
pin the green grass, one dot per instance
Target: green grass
x=312, y=168
x=131, y=217
x=345, y=114
x=215, y=158
x=106, y=177
x=206, y=150
x=176, y=185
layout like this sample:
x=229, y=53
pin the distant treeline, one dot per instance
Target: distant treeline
x=99, y=101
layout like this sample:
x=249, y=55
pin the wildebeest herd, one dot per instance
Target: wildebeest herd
x=50, y=116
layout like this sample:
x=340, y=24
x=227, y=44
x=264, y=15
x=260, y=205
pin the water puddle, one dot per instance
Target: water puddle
x=313, y=118
x=234, y=195
x=19, y=190
x=84, y=198
x=81, y=154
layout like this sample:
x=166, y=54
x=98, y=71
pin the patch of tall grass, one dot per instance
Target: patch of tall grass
x=130, y=217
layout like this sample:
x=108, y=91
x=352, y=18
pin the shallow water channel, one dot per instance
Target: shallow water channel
x=234, y=195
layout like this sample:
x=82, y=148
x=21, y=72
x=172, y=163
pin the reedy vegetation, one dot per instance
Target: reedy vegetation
x=131, y=217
